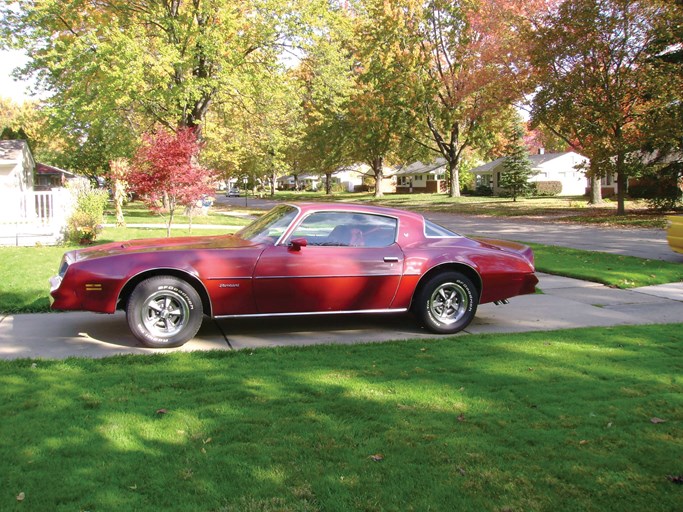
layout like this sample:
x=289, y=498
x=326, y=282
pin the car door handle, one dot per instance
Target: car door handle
x=390, y=259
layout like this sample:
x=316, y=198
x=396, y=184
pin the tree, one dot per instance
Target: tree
x=328, y=82
x=375, y=123
x=462, y=61
x=595, y=80
x=119, y=171
x=119, y=68
x=166, y=170
x=516, y=166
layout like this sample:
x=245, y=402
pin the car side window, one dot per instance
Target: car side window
x=347, y=229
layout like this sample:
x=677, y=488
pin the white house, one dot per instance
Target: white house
x=16, y=166
x=299, y=182
x=27, y=216
x=350, y=177
x=419, y=177
x=559, y=167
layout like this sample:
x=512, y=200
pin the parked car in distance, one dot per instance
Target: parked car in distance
x=233, y=192
x=297, y=259
x=674, y=233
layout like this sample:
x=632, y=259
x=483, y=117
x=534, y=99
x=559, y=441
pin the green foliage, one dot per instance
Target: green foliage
x=483, y=190
x=516, y=167
x=597, y=84
x=85, y=223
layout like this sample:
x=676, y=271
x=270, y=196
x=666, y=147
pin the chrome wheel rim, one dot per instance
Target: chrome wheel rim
x=165, y=314
x=448, y=303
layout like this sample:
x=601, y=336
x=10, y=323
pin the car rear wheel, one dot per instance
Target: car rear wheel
x=164, y=311
x=447, y=302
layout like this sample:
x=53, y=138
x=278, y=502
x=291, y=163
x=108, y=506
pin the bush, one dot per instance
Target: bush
x=86, y=222
x=547, y=188
x=661, y=191
x=483, y=190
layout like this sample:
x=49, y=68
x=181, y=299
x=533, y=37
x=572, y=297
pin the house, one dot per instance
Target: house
x=299, y=182
x=16, y=166
x=28, y=216
x=350, y=177
x=388, y=185
x=420, y=178
x=48, y=177
x=564, y=168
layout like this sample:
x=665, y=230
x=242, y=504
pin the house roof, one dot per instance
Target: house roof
x=536, y=161
x=50, y=169
x=421, y=168
x=12, y=149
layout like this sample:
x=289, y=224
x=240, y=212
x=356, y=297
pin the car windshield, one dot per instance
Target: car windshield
x=271, y=226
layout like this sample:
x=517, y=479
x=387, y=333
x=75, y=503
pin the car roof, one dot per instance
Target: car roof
x=360, y=208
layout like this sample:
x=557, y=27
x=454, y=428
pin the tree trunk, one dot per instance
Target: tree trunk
x=170, y=221
x=621, y=184
x=595, y=184
x=378, y=170
x=273, y=181
x=119, y=196
x=596, y=190
x=328, y=183
x=454, y=178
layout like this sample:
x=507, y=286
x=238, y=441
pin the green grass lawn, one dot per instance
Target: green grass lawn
x=585, y=420
x=137, y=213
x=605, y=268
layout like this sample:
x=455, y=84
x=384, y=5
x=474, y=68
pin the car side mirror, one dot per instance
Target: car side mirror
x=297, y=243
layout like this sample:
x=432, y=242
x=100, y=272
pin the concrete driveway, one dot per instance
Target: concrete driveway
x=565, y=303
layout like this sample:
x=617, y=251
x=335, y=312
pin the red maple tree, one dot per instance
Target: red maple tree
x=166, y=172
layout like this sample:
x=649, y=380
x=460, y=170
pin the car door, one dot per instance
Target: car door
x=332, y=261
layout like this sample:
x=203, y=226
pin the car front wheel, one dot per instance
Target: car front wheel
x=447, y=303
x=164, y=311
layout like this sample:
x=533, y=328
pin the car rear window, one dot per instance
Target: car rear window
x=433, y=230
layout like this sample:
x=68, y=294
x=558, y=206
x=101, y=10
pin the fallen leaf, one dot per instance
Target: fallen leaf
x=657, y=420
x=583, y=442
x=677, y=479
x=21, y=496
x=461, y=417
x=207, y=440
x=378, y=457
x=161, y=411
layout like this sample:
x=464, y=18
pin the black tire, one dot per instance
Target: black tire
x=446, y=303
x=164, y=311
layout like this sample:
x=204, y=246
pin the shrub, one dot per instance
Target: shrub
x=661, y=191
x=547, y=188
x=86, y=222
x=483, y=190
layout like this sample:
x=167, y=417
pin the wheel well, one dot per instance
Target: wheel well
x=128, y=288
x=466, y=270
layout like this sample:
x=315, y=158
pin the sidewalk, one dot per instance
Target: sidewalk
x=564, y=304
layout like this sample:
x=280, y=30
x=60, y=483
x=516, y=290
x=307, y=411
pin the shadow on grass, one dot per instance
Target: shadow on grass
x=528, y=422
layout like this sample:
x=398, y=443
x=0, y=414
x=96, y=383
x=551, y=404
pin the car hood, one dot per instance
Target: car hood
x=161, y=244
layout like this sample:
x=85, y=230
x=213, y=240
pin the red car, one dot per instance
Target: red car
x=296, y=260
